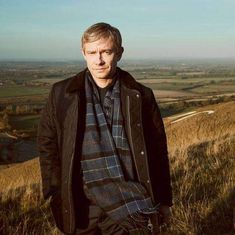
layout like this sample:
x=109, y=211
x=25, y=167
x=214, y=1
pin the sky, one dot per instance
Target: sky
x=151, y=29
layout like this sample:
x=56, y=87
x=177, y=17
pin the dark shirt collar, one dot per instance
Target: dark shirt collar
x=115, y=77
x=77, y=82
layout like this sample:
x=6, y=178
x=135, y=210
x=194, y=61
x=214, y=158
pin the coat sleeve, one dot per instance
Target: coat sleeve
x=47, y=141
x=159, y=162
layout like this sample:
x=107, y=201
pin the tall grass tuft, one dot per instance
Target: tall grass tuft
x=23, y=211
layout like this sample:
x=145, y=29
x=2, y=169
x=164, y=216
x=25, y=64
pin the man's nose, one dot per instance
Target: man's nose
x=99, y=59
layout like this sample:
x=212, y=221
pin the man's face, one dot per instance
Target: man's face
x=101, y=57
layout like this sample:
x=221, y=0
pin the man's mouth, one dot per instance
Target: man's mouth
x=100, y=69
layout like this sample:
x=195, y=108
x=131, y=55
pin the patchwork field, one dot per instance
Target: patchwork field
x=17, y=90
x=197, y=101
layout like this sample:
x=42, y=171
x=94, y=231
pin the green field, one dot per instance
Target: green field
x=202, y=87
x=48, y=80
x=188, y=80
x=14, y=90
x=168, y=86
x=215, y=88
x=23, y=122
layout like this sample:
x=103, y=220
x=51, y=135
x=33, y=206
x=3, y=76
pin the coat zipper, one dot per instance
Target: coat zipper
x=69, y=190
x=130, y=134
x=146, y=160
x=132, y=146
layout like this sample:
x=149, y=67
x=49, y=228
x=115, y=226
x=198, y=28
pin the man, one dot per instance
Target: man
x=102, y=144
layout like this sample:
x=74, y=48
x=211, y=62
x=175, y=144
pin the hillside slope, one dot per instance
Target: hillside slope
x=201, y=128
x=201, y=150
x=19, y=175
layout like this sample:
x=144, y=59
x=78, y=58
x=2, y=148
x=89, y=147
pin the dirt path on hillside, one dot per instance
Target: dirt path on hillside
x=184, y=116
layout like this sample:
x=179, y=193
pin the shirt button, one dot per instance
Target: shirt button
x=138, y=124
x=148, y=181
x=66, y=211
x=137, y=95
x=142, y=152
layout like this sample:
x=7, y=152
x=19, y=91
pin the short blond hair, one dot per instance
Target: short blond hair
x=102, y=30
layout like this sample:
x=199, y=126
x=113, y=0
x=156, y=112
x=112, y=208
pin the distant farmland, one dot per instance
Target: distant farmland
x=14, y=91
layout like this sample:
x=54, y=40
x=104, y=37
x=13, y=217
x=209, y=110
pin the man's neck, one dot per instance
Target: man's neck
x=103, y=82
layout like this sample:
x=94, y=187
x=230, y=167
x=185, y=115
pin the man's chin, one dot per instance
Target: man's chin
x=102, y=75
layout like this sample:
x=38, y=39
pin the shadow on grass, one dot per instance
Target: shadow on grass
x=23, y=211
x=221, y=217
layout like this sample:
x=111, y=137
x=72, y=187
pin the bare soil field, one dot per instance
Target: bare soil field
x=161, y=94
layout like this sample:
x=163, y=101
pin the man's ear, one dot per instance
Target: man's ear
x=83, y=53
x=119, y=54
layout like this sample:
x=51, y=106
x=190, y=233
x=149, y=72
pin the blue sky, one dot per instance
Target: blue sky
x=51, y=29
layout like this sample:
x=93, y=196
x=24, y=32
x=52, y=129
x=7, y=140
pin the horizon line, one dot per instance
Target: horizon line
x=122, y=60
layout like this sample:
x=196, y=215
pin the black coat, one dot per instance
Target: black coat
x=60, y=136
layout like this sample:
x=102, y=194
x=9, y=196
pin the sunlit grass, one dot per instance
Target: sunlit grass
x=201, y=151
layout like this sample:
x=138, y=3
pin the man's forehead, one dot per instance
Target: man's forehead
x=101, y=42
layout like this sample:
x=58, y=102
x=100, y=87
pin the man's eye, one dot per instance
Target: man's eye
x=91, y=52
x=108, y=52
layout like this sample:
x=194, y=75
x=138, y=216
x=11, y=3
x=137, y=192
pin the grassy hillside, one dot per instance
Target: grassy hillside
x=201, y=150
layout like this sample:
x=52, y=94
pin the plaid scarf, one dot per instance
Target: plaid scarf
x=106, y=158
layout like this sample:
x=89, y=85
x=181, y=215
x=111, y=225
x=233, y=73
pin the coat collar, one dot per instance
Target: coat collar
x=77, y=82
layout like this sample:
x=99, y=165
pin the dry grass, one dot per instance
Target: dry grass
x=201, y=149
x=22, y=208
x=24, y=212
x=20, y=175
